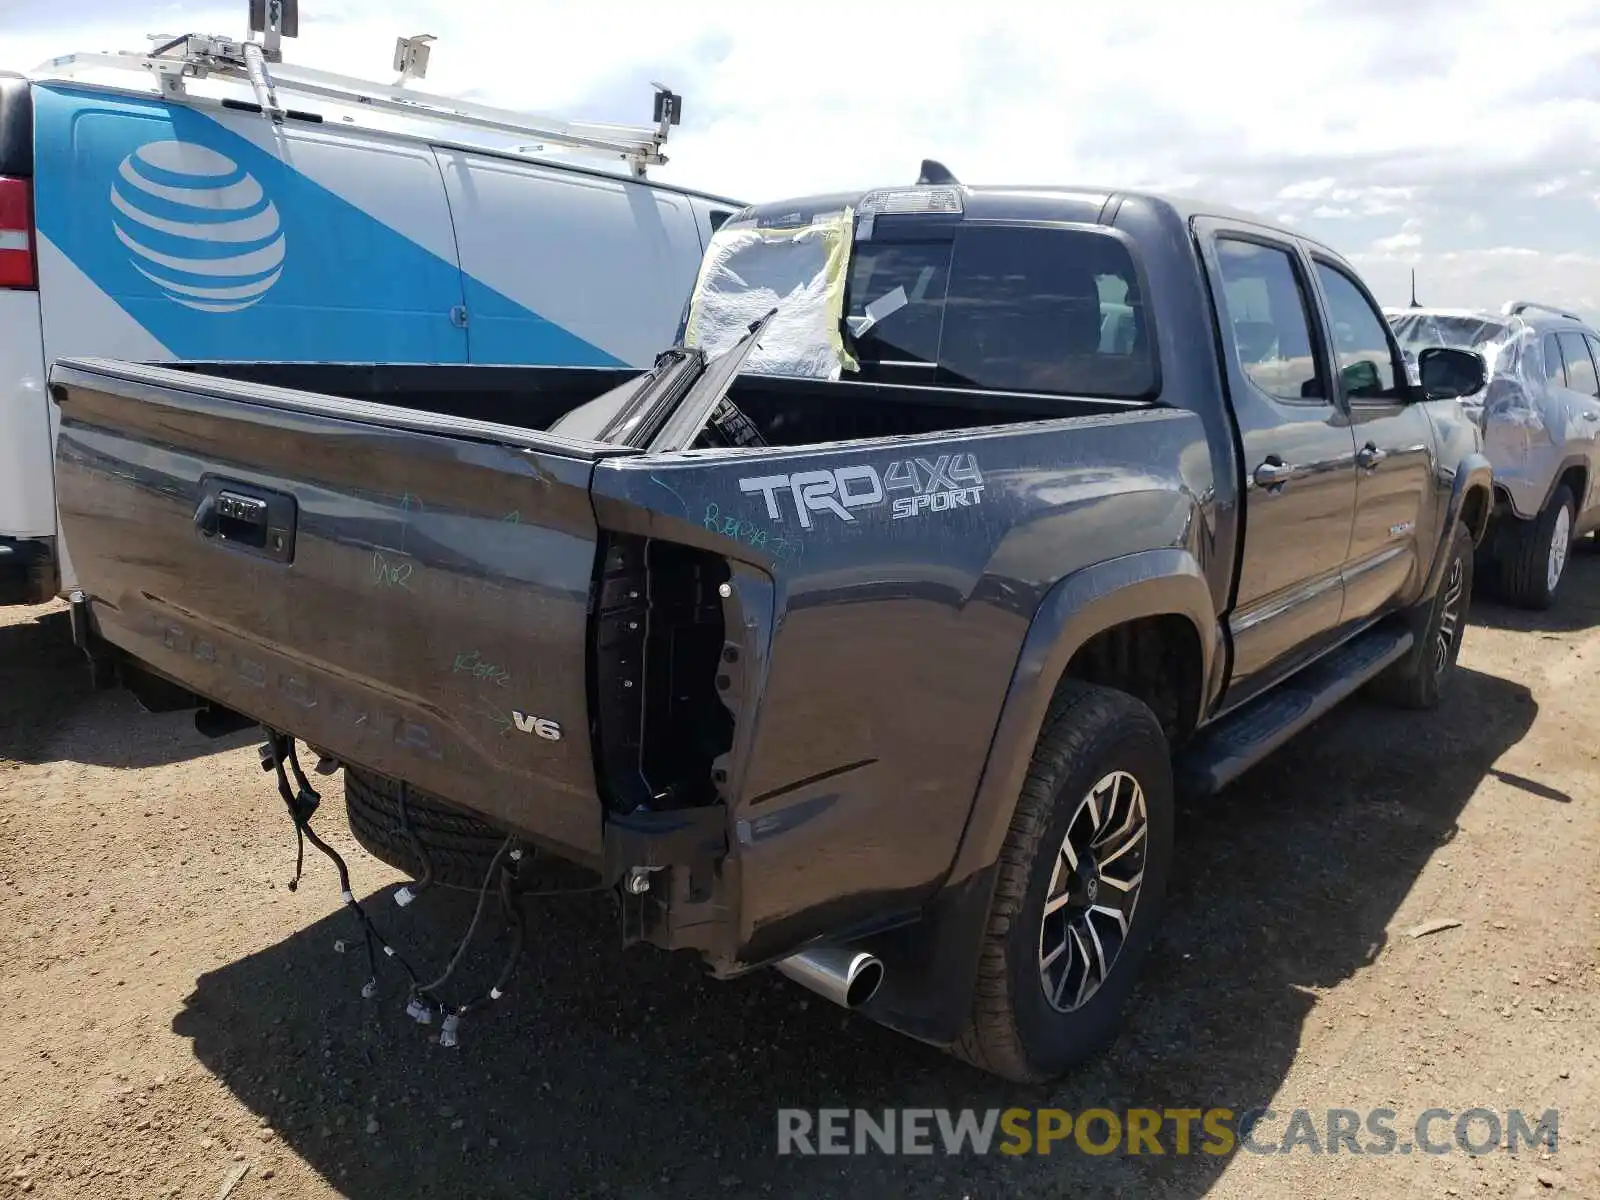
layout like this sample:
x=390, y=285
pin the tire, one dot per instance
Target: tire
x=1015, y=1030
x=459, y=846
x=1418, y=680
x=1534, y=551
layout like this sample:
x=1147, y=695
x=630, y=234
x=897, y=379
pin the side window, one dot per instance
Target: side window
x=1366, y=363
x=1268, y=319
x=1580, y=367
x=1552, y=362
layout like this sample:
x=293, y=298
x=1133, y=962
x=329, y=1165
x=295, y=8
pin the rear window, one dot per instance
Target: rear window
x=1005, y=308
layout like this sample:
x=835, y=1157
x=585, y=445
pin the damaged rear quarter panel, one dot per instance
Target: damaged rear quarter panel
x=895, y=636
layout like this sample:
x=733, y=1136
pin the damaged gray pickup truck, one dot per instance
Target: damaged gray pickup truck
x=875, y=644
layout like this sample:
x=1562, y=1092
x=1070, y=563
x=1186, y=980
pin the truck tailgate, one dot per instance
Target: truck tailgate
x=407, y=592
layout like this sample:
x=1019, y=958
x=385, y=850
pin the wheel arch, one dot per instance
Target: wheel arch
x=1574, y=472
x=1471, y=492
x=933, y=963
x=1161, y=588
x=1476, y=509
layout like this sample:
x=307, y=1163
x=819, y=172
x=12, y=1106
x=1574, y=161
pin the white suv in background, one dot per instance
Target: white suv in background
x=1540, y=417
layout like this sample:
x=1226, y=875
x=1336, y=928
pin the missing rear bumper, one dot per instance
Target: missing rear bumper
x=671, y=865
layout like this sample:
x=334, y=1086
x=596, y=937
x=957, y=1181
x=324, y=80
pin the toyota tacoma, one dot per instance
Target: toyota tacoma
x=871, y=634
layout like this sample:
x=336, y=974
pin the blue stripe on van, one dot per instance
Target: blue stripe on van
x=213, y=270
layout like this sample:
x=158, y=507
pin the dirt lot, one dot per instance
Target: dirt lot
x=173, y=1013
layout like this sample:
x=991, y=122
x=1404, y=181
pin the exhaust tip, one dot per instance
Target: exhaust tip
x=863, y=986
x=849, y=978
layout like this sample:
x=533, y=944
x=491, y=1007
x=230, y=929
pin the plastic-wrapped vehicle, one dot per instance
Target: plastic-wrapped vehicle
x=1540, y=417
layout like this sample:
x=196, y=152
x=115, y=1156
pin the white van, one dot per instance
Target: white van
x=201, y=202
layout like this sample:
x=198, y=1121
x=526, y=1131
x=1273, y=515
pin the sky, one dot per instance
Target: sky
x=1458, y=138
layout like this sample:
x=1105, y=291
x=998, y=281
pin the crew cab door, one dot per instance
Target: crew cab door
x=1299, y=456
x=1396, y=499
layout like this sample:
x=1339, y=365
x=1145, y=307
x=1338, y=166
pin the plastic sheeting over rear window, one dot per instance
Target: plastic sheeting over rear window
x=748, y=271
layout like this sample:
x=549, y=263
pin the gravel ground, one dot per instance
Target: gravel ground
x=174, y=1015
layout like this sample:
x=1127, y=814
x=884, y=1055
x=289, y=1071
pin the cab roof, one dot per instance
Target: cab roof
x=1085, y=204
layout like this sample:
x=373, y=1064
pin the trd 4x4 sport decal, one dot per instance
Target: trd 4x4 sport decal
x=950, y=481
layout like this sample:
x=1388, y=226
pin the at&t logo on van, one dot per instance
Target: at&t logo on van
x=197, y=225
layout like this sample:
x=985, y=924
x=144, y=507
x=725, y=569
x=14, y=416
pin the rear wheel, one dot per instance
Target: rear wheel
x=1535, y=555
x=1082, y=877
x=444, y=843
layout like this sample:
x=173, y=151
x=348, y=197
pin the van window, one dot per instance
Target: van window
x=1008, y=308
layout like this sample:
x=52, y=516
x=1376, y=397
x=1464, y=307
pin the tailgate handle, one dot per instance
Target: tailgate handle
x=252, y=520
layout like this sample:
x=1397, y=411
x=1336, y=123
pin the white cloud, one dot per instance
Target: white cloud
x=1310, y=189
x=1347, y=117
x=1403, y=244
x=1497, y=274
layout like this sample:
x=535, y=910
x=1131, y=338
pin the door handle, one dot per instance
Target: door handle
x=1273, y=475
x=1369, y=456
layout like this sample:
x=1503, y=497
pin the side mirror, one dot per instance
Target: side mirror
x=1449, y=374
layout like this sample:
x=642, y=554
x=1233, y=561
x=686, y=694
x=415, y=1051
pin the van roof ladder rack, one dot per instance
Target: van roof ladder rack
x=174, y=61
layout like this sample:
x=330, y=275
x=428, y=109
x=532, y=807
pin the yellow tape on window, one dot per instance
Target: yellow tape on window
x=801, y=271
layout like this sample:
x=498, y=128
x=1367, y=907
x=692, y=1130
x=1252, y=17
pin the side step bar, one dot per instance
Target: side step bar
x=1224, y=751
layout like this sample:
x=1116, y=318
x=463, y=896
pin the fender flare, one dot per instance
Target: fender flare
x=1150, y=583
x=1473, y=473
x=933, y=962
